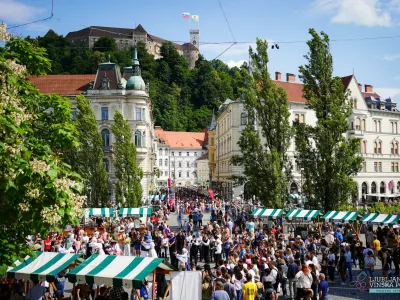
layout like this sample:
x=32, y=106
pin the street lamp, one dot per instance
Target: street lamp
x=301, y=180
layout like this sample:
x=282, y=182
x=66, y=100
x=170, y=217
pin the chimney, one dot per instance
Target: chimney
x=278, y=76
x=290, y=77
x=360, y=86
x=368, y=88
x=157, y=127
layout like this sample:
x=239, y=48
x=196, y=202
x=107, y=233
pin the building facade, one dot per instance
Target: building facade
x=203, y=171
x=126, y=37
x=374, y=121
x=108, y=91
x=177, y=154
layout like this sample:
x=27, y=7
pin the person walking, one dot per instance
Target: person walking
x=304, y=281
x=293, y=269
x=323, y=287
x=249, y=289
x=219, y=293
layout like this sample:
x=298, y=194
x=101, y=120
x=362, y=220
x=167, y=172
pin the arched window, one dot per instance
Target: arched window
x=382, y=188
x=375, y=147
x=373, y=188
x=105, y=135
x=138, y=138
x=166, y=162
x=398, y=186
x=364, y=146
x=376, y=125
x=243, y=118
x=363, y=124
x=293, y=188
x=358, y=124
x=144, y=139
x=180, y=166
x=380, y=147
x=106, y=164
x=396, y=148
x=395, y=127
x=160, y=162
x=187, y=164
x=160, y=152
x=364, y=188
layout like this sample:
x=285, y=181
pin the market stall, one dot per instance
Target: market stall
x=380, y=219
x=299, y=220
x=104, y=212
x=135, y=212
x=44, y=267
x=267, y=213
x=122, y=271
x=349, y=217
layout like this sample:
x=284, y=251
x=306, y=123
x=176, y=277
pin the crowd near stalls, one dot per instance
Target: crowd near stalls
x=262, y=254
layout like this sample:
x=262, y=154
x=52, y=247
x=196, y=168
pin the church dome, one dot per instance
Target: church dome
x=135, y=83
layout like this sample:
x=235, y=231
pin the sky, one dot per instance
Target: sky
x=365, y=34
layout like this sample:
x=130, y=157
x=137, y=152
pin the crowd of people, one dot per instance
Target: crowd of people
x=240, y=258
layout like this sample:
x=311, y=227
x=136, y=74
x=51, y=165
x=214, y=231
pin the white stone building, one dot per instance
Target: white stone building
x=177, y=154
x=203, y=171
x=108, y=91
x=375, y=121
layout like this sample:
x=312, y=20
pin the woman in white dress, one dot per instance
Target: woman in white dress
x=152, y=251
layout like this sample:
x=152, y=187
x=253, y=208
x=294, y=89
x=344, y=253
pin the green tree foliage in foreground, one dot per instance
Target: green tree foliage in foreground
x=330, y=161
x=182, y=99
x=87, y=160
x=128, y=173
x=265, y=140
x=38, y=191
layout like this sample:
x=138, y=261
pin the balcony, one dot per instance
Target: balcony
x=356, y=132
x=141, y=152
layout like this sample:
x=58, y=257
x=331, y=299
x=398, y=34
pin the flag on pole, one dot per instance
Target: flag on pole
x=186, y=15
x=195, y=18
x=211, y=193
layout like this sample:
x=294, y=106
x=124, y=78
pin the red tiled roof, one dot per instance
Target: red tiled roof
x=293, y=90
x=181, y=140
x=373, y=94
x=203, y=157
x=65, y=85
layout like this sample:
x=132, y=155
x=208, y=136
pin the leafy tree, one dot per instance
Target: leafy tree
x=38, y=191
x=329, y=160
x=264, y=150
x=128, y=173
x=105, y=44
x=88, y=159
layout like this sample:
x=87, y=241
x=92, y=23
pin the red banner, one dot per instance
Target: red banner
x=211, y=193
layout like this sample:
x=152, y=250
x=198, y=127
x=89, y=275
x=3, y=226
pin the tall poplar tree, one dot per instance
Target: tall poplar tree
x=265, y=140
x=128, y=173
x=89, y=157
x=329, y=159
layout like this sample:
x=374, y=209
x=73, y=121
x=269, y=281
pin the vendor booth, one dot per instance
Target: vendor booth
x=380, y=219
x=104, y=212
x=121, y=271
x=135, y=212
x=267, y=213
x=340, y=216
x=300, y=220
x=302, y=215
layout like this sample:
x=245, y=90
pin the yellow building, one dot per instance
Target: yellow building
x=211, y=150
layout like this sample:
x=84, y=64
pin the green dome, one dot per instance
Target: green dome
x=135, y=83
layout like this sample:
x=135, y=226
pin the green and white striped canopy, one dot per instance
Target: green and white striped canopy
x=122, y=271
x=302, y=214
x=18, y=263
x=267, y=213
x=383, y=219
x=135, y=212
x=44, y=267
x=104, y=212
x=340, y=216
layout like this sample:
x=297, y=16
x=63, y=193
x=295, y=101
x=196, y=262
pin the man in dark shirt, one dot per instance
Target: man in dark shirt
x=180, y=242
x=323, y=287
x=172, y=249
x=60, y=282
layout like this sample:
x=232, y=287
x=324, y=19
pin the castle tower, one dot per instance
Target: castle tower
x=195, y=38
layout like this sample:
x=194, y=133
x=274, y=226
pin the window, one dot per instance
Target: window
x=161, y=173
x=373, y=188
x=355, y=103
x=138, y=138
x=302, y=118
x=166, y=162
x=187, y=175
x=106, y=164
x=195, y=174
x=104, y=113
x=380, y=147
x=140, y=113
x=160, y=152
x=379, y=167
x=297, y=117
x=195, y=154
x=375, y=147
x=395, y=127
x=393, y=167
x=376, y=125
x=187, y=165
x=179, y=174
x=358, y=124
x=187, y=153
x=73, y=114
x=180, y=153
x=375, y=166
x=180, y=165
x=105, y=135
x=172, y=153
x=160, y=162
x=364, y=146
x=396, y=167
x=364, y=166
x=363, y=124
x=166, y=152
x=243, y=118
x=396, y=148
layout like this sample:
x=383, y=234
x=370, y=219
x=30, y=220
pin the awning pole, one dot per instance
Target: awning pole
x=154, y=285
x=74, y=291
x=166, y=291
x=55, y=290
x=138, y=294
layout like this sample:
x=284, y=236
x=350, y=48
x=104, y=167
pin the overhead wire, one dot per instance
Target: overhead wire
x=37, y=21
x=230, y=29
